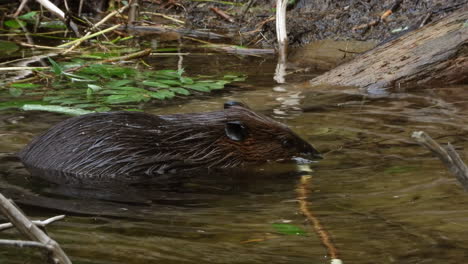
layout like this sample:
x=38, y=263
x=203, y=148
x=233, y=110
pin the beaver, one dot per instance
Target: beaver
x=121, y=143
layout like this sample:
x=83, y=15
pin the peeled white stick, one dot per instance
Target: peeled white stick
x=52, y=8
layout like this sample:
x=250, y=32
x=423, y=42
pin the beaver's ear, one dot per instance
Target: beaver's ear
x=236, y=130
x=230, y=104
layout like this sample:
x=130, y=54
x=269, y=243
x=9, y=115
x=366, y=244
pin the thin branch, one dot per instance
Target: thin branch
x=22, y=244
x=448, y=156
x=20, y=8
x=89, y=36
x=40, y=223
x=52, y=8
x=22, y=68
x=26, y=227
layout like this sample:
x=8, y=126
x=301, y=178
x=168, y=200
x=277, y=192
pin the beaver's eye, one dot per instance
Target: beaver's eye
x=287, y=143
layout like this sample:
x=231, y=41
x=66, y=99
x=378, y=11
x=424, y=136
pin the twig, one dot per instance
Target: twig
x=164, y=16
x=36, y=222
x=110, y=15
x=448, y=156
x=20, y=8
x=24, y=44
x=282, y=37
x=133, y=12
x=222, y=14
x=80, y=7
x=26, y=227
x=302, y=193
x=245, y=8
x=383, y=17
x=135, y=55
x=52, y=8
x=22, y=244
x=22, y=68
x=89, y=36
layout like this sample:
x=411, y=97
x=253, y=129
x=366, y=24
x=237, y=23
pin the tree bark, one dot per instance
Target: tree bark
x=436, y=54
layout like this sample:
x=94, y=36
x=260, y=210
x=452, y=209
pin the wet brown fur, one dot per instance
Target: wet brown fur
x=133, y=143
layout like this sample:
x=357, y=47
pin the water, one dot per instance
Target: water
x=381, y=197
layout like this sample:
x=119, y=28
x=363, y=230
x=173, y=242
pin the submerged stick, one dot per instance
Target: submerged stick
x=27, y=228
x=302, y=195
x=447, y=155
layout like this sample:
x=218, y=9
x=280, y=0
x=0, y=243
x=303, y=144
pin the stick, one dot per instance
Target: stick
x=22, y=68
x=110, y=15
x=24, y=44
x=26, y=227
x=164, y=16
x=52, y=8
x=89, y=36
x=222, y=14
x=448, y=156
x=36, y=222
x=20, y=8
x=131, y=56
x=302, y=193
x=282, y=36
x=21, y=243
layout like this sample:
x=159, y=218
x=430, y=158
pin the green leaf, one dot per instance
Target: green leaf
x=181, y=91
x=163, y=94
x=16, y=104
x=14, y=23
x=118, y=83
x=155, y=84
x=108, y=71
x=55, y=109
x=68, y=101
x=94, y=87
x=201, y=87
x=8, y=46
x=130, y=89
x=15, y=92
x=25, y=85
x=87, y=105
x=169, y=73
x=170, y=82
x=56, y=24
x=167, y=94
x=28, y=16
x=56, y=68
x=288, y=229
x=186, y=80
x=125, y=98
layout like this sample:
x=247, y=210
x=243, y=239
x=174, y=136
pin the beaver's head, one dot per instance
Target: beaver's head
x=252, y=137
x=233, y=137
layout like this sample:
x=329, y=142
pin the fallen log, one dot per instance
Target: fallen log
x=436, y=54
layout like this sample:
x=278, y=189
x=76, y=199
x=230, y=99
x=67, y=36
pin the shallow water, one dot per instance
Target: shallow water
x=381, y=197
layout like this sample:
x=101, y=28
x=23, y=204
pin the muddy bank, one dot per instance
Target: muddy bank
x=314, y=20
